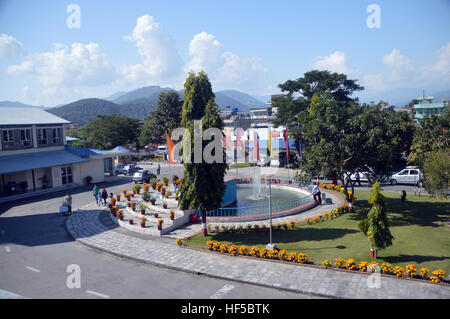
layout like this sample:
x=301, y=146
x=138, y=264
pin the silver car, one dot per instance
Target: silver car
x=409, y=175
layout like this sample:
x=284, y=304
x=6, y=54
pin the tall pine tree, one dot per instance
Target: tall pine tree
x=202, y=186
x=376, y=226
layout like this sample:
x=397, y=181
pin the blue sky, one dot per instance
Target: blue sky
x=251, y=46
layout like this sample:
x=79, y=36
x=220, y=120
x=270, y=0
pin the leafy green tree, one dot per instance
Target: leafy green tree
x=109, y=131
x=300, y=93
x=432, y=134
x=437, y=173
x=376, y=226
x=202, y=186
x=164, y=119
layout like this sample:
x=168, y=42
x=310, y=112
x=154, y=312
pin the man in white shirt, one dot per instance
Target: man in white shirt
x=317, y=194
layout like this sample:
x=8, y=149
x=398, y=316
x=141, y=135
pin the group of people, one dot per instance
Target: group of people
x=101, y=196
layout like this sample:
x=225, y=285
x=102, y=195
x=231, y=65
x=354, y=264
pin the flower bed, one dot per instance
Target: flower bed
x=410, y=271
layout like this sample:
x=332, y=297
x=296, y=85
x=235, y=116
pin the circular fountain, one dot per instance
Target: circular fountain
x=248, y=199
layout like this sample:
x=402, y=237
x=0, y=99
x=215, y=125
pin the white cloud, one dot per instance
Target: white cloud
x=161, y=60
x=335, y=62
x=402, y=73
x=79, y=65
x=225, y=69
x=10, y=47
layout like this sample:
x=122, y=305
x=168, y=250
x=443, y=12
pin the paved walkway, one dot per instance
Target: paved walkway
x=86, y=227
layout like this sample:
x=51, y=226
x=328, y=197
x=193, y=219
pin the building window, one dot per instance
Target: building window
x=55, y=135
x=42, y=136
x=25, y=137
x=66, y=175
x=8, y=139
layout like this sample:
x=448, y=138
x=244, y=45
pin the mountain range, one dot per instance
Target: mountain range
x=137, y=103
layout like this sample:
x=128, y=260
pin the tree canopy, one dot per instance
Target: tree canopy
x=164, y=119
x=109, y=131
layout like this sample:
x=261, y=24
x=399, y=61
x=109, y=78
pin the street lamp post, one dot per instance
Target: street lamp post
x=271, y=245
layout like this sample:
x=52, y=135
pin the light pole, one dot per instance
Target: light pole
x=271, y=245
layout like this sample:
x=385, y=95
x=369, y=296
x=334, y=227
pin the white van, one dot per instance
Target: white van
x=409, y=175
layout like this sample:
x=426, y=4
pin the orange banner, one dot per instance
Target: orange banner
x=171, y=148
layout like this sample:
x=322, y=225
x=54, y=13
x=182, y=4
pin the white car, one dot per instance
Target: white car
x=161, y=151
x=409, y=175
x=265, y=161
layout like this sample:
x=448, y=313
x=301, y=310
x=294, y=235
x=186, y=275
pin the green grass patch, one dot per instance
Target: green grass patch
x=418, y=225
x=240, y=165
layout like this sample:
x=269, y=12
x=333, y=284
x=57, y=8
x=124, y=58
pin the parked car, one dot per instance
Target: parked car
x=265, y=161
x=130, y=169
x=143, y=176
x=161, y=150
x=119, y=168
x=409, y=175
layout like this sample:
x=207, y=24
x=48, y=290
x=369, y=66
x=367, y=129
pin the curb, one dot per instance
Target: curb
x=195, y=272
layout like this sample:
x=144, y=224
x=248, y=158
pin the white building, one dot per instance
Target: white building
x=34, y=157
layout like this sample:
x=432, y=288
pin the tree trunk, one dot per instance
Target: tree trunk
x=204, y=229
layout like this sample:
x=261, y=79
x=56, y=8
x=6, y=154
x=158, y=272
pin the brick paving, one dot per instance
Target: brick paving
x=86, y=226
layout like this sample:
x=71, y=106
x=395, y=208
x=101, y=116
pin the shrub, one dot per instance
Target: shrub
x=363, y=266
x=292, y=257
x=179, y=241
x=302, y=258
x=326, y=263
x=223, y=248
x=440, y=274
x=339, y=262
x=210, y=244
x=264, y=253
x=216, y=246
x=283, y=255
x=398, y=271
x=273, y=254
x=386, y=268
x=256, y=227
x=233, y=250
x=411, y=270
x=424, y=272
x=255, y=252
x=350, y=264
x=291, y=224
x=243, y=250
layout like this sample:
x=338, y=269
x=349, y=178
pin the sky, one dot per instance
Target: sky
x=55, y=52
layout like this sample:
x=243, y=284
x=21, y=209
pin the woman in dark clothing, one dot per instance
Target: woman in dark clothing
x=104, y=195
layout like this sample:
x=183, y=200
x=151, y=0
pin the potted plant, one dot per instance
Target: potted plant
x=124, y=191
x=143, y=220
x=165, y=180
x=172, y=215
x=153, y=183
x=118, y=197
x=119, y=214
x=163, y=190
x=156, y=215
x=160, y=222
x=142, y=207
x=164, y=203
x=113, y=201
x=133, y=206
x=137, y=188
x=88, y=180
x=159, y=186
x=131, y=222
x=174, y=179
x=146, y=195
x=153, y=200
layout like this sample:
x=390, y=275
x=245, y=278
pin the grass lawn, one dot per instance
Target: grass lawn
x=239, y=165
x=421, y=238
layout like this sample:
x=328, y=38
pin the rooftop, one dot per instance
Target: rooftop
x=28, y=116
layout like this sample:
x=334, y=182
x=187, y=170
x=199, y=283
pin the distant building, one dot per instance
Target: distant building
x=425, y=106
x=35, y=157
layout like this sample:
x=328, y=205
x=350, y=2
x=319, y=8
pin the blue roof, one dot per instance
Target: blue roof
x=81, y=151
x=35, y=160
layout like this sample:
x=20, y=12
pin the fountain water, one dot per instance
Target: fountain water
x=260, y=187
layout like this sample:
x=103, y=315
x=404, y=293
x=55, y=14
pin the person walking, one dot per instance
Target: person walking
x=95, y=191
x=158, y=170
x=316, y=194
x=357, y=177
x=104, y=196
x=68, y=203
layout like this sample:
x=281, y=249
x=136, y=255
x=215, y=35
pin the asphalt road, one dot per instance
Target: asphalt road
x=36, y=251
